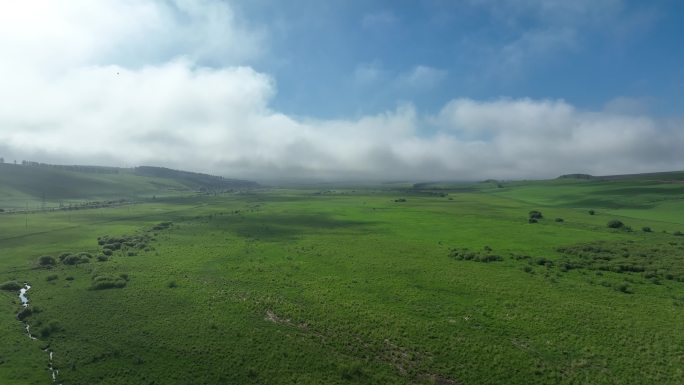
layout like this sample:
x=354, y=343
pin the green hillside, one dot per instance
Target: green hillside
x=34, y=184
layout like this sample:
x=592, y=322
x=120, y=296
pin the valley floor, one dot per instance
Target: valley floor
x=350, y=286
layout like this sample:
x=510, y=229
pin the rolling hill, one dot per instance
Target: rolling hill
x=34, y=184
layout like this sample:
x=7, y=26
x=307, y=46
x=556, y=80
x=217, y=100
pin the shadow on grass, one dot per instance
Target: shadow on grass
x=278, y=227
x=609, y=202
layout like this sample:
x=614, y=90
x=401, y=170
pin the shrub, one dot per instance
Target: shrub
x=536, y=214
x=532, y=220
x=400, y=200
x=10, y=286
x=678, y=233
x=25, y=313
x=559, y=220
x=527, y=269
x=543, y=262
x=162, y=226
x=489, y=258
x=646, y=229
x=101, y=282
x=48, y=329
x=51, y=277
x=592, y=212
x=467, y=255
x=171, y=284
x=107, y=252
x=112, y=246
x=624, y=288
x=102, y=258
x=47, y=260
x=75, y=260
x=615, y=224
x=69, y=278
x=351, y=371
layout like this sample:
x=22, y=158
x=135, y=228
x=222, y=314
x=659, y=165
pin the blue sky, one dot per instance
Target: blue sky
x=585, y=52
x=346, y=90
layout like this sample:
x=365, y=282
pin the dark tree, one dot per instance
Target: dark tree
x=534, y=214
x=615, y=224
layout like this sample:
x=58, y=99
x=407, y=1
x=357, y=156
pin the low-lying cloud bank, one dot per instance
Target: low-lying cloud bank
x=219, y=121
x=69, y=98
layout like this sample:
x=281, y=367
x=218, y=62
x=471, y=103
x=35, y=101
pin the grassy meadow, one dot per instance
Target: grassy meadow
x=438, y=285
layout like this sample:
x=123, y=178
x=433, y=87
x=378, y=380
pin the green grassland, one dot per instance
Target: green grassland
x=372, y=286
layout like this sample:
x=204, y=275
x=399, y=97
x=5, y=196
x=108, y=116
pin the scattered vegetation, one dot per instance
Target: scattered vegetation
x=25, y=312
x=534, y=214
x=10, y=286
x=653, y=263
x=615, y=224
x=465, y=254
x=107, y=281
x=47, y=260
x=162, y=226
x=46, y=330
x=75, y=259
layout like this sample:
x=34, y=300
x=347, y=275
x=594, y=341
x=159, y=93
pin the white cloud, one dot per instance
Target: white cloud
x=54, y=35
x=73, y=91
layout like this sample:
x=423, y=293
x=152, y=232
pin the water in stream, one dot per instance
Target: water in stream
x=25, y=302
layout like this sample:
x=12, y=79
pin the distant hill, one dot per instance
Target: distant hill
x=195, y=180
x=35, y=183
x=673, y=176
x=576, y=176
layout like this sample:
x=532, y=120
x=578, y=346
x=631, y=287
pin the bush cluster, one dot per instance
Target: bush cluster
x=476, y=256
x=11, y=286
x=107, y=281
x=47, y=260
x=162, y=226
x=615, y=224
x=125, y=243
x=75, y=259
x=664, y=262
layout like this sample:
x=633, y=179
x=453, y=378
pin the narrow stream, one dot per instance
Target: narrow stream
x=25, y=302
